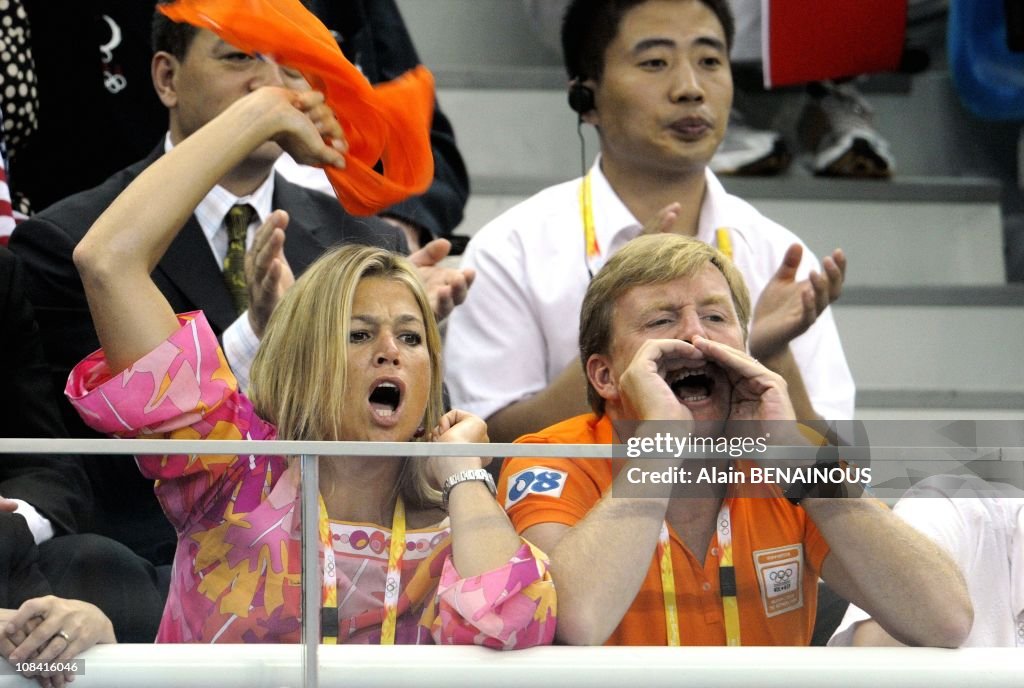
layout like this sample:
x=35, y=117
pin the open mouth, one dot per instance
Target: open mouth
x=385, y=399
x=691, y=384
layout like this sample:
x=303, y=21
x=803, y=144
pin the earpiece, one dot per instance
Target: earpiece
x=581, y=98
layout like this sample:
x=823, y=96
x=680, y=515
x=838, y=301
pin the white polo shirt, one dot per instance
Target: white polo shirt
x=518, y=328
x=982, y=528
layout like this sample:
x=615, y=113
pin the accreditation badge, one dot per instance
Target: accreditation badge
x=780, y=574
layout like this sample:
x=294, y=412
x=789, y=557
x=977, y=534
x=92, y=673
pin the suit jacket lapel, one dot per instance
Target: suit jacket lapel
x=303, y=238
x=189, y=265
x=188, y=274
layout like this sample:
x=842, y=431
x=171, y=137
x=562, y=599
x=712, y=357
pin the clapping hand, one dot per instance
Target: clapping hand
x=663, y=221
x=446, y=287
x=267, y=272
x=787, y=307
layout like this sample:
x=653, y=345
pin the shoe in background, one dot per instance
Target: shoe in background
x=747, y=151
x=836, y=127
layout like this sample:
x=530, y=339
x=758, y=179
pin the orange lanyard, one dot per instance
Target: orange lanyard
x=726, y=579
x=593, y=249
x=392, y=581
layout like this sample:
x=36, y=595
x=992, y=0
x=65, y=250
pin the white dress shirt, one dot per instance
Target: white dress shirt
x=518, y=328
x=39, y=525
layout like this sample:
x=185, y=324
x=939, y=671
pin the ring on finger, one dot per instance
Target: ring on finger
x=64, y=635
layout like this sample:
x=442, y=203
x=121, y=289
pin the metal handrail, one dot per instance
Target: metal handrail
x=274, y=666
x=311, y=664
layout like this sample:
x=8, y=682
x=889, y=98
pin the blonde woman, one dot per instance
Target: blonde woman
x=351, y=352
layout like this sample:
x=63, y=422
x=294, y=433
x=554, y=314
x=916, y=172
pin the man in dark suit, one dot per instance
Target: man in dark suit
x=124, y=117
x=196, y=76
x=20, y=577
x=52, y=494
x=45, y=501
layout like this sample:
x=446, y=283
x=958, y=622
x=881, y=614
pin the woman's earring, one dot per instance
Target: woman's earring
x=420, y=432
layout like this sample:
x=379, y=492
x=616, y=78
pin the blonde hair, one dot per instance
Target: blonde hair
x=646, y=260
x=299, y=375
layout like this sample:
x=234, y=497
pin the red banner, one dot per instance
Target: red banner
x=814, y=40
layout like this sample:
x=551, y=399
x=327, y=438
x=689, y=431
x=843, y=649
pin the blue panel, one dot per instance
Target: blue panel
x=989, y=77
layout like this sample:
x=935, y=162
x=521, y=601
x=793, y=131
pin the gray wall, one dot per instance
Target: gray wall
x=482, y=33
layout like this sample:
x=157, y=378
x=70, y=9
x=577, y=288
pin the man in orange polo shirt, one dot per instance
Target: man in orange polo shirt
x=663, y=338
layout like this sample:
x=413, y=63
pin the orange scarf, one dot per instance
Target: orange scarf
x=389, y=123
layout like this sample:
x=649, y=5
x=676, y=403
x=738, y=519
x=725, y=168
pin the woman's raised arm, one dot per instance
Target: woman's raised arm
x=123, y=247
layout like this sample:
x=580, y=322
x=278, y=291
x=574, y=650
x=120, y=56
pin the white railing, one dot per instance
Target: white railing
x=311, y=664
x=352, y=666
x=308, y=655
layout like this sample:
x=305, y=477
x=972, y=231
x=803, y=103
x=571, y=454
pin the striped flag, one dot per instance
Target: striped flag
x=7, y=221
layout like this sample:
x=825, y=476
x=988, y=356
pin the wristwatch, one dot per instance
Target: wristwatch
x=800, y=490
x=465, y=476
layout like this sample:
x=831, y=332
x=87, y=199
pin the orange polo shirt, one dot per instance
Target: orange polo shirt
x=777, y=551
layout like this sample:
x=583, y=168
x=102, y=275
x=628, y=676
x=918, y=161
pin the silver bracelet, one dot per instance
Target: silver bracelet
x=465, y=476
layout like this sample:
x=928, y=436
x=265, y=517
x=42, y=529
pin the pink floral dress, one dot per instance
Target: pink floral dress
x=236, y=575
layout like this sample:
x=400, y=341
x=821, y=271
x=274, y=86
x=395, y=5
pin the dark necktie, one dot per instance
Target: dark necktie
x=237, y=222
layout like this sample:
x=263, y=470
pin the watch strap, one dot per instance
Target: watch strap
x=798, y=491
x=465, y=476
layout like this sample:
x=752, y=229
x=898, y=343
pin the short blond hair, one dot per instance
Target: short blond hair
x=647, y=260
x=299, y=375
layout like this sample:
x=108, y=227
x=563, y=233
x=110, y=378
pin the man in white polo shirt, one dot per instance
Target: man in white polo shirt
x=653, y=77
x=981, y=526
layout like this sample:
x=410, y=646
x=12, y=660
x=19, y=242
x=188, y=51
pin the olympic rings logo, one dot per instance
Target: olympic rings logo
x=780, y=576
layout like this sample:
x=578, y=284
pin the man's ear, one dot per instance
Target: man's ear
x=163, y=69
x=602, y=377
x=591, y=116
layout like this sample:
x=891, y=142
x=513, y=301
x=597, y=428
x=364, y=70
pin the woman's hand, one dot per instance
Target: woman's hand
x=482, y=536
x=309, y=131
x=460, y=426
x=52, y=629
x=457, y=426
